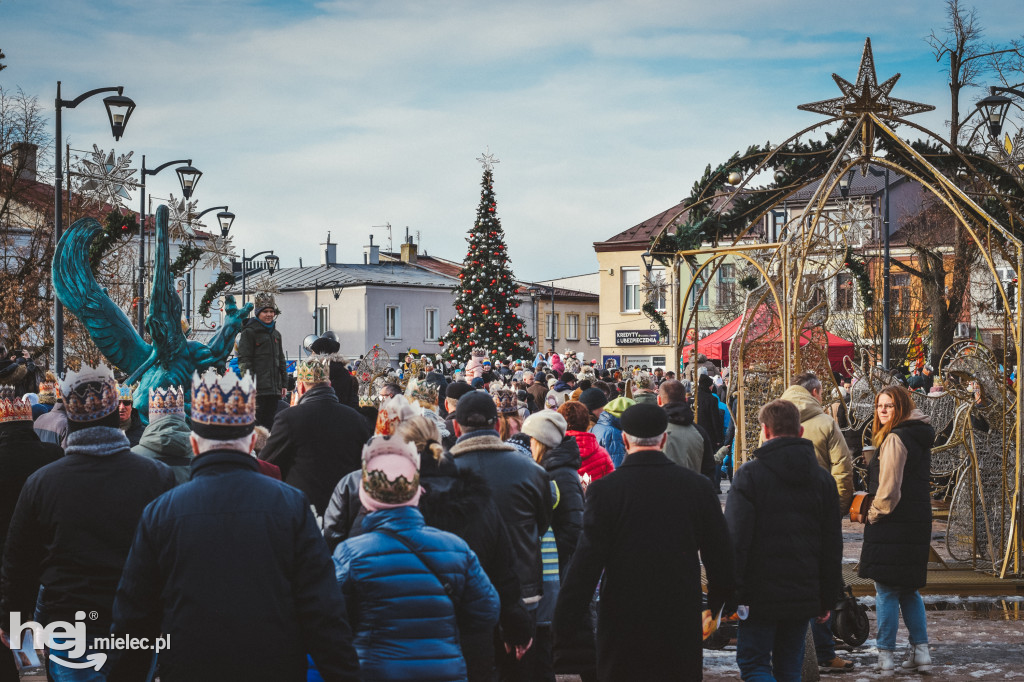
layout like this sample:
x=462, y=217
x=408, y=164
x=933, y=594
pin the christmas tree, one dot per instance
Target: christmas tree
x=485, y=305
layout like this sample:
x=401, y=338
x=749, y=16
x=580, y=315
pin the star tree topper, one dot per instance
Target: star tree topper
x=866, y=95
x=487, y=160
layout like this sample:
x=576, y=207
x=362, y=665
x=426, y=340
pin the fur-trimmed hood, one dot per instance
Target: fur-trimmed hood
x=480, y=440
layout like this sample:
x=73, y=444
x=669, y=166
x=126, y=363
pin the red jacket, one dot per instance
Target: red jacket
x=596, y=460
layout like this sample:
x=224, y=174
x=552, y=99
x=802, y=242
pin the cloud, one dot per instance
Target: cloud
x=308, y=117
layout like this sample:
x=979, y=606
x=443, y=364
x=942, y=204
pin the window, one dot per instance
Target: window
x=552, y=327
x=658, y=277
x=1007, y=278
x=844, y=291
x=899, y=286
x=572, y=327
x=323, y=319
x=392, y=322
x=593, y=332
x=727, y=285
x=703, y=302
x=630, y=290
x=430, y=324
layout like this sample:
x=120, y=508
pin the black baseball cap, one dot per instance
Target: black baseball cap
x=644, y=420
x=476, y=409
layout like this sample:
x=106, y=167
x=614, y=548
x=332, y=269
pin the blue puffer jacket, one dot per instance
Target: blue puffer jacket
x=404, y=622
x=609, y=436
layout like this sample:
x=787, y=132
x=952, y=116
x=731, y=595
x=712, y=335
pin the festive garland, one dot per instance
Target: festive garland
x=188, y=256
x=116, y=228
x=652, y=312
x=223, y=281
x=748, y=282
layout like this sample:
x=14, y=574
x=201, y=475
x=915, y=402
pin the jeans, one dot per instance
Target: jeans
x=889, y=602
x=770, y=650
x=61, y=673
x=824, y=643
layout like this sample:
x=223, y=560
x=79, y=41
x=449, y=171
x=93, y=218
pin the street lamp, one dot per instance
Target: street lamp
x=335, y=289
x=648, y=260
x=188, y=177
x=225, y=218
x=535, y=291
x=995, y=107
x=886, y=291
x=119, y=110
x=270, y=263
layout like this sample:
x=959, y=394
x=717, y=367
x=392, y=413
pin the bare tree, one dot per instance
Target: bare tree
x=969, y=58
x=26, y=236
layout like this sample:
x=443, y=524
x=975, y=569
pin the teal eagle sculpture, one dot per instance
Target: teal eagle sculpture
x=170, y=359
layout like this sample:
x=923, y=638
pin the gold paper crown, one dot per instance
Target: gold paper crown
x=393, y=412
x=223, y=407
x=89, y=394
x=166, y=402
x=314, y=370
x=47, y=392
x=422, y=393
x=126, y=393
x=12, y=407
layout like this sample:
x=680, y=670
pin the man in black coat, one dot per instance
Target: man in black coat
x=644, y=526
x=345, y=386
x=75, y=518
x=783, y=515
x=231, y=569
x=318, y=440
x=708, y=415
x=21, y=454
x=522, y=491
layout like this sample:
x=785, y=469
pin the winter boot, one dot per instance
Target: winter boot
x=920, y=659
x=885, y=666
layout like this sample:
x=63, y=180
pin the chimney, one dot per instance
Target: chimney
x=328, y=252
x=24, y=160
x=371, y=253
x=408, y=254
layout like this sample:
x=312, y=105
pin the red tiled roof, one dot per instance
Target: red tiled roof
x=640, y=235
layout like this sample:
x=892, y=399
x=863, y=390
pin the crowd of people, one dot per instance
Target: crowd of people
x=481, y=523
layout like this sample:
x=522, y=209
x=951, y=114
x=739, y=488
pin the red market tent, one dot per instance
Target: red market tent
x=716, y=346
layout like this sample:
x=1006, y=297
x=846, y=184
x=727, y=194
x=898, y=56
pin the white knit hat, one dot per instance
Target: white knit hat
x=547, y=426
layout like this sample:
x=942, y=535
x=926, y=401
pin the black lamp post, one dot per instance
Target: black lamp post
x=335, y=289
x=886, y=291
x=225, y=218
x=188, y=178
x=995, y=107
x=271, y=262
x=119, y=110
x=648, y=260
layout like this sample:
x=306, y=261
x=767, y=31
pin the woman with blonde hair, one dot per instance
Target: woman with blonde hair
x=899, y=524
x=461, y=503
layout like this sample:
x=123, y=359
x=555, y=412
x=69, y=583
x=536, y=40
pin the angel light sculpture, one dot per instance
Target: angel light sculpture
x=170, y=359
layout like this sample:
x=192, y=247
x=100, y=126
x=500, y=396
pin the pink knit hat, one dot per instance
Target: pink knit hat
x=391, y=474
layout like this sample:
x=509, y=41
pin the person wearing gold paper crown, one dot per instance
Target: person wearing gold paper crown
x=75, y=519
x=318, y=440
x=231, y=566
x=165, y=439
x=261, y=353
x=131, y=423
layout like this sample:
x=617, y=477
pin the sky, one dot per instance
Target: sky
x=344, y=116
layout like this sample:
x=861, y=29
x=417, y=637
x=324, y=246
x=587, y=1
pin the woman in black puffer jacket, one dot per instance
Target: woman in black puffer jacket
x=899, y=524
x=460, y=502
x=560, y=456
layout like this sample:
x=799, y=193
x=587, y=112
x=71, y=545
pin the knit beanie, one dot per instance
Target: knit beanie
x=546, y=426
x=618, y=406
x=391, y=474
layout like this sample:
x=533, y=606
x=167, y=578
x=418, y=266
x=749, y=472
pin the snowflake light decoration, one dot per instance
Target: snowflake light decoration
x=103, y=179
x=217, y=254
x=655, y=287
x=179, y=222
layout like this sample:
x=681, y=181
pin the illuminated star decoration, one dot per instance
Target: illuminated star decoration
x=487, y=160
x=180, y=221
x=866, y=95
x=218, y=253
x=102, y=179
